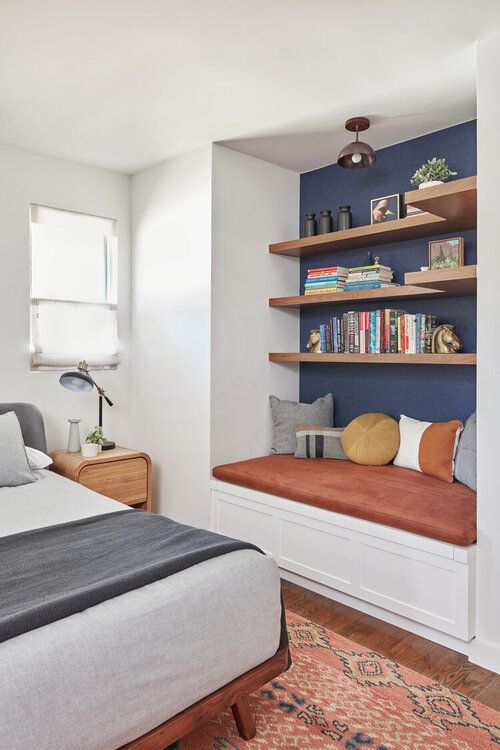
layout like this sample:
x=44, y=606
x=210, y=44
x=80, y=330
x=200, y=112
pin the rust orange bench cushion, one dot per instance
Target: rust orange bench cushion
x=389, y=495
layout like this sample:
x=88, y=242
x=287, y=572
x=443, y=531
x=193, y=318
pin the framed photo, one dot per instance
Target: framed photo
x=385, y=209
x=446, y=253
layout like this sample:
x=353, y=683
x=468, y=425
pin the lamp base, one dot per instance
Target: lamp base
x=108, y=445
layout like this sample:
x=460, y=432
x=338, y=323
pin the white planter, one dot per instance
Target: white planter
x=431, y=183
x=89, y=450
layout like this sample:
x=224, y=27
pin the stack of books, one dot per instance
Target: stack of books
x=413, y=210
x=378, y=332
x=368, y=277
x=325, y=280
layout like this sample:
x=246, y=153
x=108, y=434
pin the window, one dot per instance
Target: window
x=73, y=289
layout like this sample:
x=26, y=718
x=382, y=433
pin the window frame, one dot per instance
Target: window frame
x=35, y=367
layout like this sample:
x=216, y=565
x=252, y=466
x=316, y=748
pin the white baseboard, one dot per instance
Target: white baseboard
x=485, y=654
x=382, y=614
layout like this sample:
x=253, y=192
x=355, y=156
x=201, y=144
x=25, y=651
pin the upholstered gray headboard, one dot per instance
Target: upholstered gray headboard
x=31, y=421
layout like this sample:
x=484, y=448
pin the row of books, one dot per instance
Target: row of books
x=333, y=279
x=378, y=332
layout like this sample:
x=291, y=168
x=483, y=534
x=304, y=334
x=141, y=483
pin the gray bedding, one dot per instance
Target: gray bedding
x=54, y=572
x=104, y=676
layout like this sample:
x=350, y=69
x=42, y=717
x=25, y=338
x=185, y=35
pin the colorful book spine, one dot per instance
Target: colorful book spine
x=335, y=341
x=316, y=284
x=373, y=267
x=328, y=336
x=351, y=286
x=325, y=290
x=330, y=270
x=377, y=331
x=326, y=280
x=322, y=337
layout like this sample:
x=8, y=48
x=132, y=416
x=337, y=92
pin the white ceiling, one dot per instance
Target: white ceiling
x=125, y=84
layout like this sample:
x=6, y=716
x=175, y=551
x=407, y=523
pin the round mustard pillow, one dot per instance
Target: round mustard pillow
x=371, y=439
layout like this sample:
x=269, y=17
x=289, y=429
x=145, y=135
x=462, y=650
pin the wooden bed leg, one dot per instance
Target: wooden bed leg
x=243, y=718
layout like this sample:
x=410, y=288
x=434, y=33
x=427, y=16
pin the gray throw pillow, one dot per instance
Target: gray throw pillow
x=14, y=464
x=315, y=441
x=286, y=414
x=465, y=459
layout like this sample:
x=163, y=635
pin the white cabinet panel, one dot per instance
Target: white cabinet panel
x=252, y=523
x=418, y=587
x=316, y=549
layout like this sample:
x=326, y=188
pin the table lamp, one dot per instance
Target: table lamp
x=81, y=381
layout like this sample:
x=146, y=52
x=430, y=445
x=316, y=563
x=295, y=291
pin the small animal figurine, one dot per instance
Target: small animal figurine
x=445, y=340
x=314, y=341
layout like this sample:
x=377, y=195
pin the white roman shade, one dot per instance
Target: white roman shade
x=73, y=289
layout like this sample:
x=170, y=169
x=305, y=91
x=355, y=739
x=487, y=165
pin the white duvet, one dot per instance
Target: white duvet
x=102, y=677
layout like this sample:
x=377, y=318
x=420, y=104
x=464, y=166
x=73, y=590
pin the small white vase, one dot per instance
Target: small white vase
x=74, y=436
x=431, y=183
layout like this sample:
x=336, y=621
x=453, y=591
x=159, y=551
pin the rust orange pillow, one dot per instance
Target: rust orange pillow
x=428, y=447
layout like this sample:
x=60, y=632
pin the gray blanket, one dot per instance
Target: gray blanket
x=51, y=573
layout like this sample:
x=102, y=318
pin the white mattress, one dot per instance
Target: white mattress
x=102, y=677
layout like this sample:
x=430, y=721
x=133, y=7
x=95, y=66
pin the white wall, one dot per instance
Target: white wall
x=201, y=224
x=25, y=178
x=486, y=647
x=254, y=203
x=171, y=225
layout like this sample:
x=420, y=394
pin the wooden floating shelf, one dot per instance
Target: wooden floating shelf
x=454, y=201
x=451, y=281
x=456, y=282
x=387, y=359
x=454, y=207
x=365, y=295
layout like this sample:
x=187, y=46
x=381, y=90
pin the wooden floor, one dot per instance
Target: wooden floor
x=428, y=658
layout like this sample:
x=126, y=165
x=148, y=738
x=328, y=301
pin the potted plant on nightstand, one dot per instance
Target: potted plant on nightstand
x=96, y=437
x=434, y=172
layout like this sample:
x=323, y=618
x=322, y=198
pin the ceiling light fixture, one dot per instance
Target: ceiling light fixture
x=357, y=154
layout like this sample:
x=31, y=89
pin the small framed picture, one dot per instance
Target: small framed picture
x=385, y=209
x=446, y=253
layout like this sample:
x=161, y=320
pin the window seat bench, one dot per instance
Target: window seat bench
x=390, y=541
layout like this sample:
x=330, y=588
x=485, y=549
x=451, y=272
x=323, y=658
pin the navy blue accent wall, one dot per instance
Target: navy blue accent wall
x=429, y=392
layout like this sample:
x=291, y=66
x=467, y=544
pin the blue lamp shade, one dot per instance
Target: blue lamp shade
x=78, y=380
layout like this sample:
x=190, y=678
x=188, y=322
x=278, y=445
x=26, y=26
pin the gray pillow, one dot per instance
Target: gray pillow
x=286, y=414
x=315, y=441
x=14, y=464
x=465, y=460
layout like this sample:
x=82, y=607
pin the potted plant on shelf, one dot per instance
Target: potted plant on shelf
x=434, y=172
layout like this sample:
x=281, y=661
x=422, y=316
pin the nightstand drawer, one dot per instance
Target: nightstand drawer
x=125, y=480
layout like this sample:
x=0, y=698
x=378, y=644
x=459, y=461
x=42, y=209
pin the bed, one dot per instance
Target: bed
x=141, y=669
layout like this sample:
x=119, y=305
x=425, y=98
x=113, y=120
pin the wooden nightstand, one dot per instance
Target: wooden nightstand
x=120, y=473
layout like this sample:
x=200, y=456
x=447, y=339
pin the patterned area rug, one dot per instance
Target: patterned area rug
x=338, y=694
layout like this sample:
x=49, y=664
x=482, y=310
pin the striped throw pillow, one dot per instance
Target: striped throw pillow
x=428, y=447
x=316, y=441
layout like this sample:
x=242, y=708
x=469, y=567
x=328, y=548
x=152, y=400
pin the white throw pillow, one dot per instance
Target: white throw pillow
x=37, y=459
x=410, y=435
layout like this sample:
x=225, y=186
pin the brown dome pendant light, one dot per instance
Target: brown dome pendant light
x=357, y=154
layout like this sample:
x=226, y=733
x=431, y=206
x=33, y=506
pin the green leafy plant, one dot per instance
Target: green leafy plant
x=96, y=436
x=434, y=169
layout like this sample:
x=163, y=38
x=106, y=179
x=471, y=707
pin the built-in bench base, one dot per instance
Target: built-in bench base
x=421, y=584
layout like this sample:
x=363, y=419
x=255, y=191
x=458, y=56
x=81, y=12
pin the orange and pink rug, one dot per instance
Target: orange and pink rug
x=338, y=694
